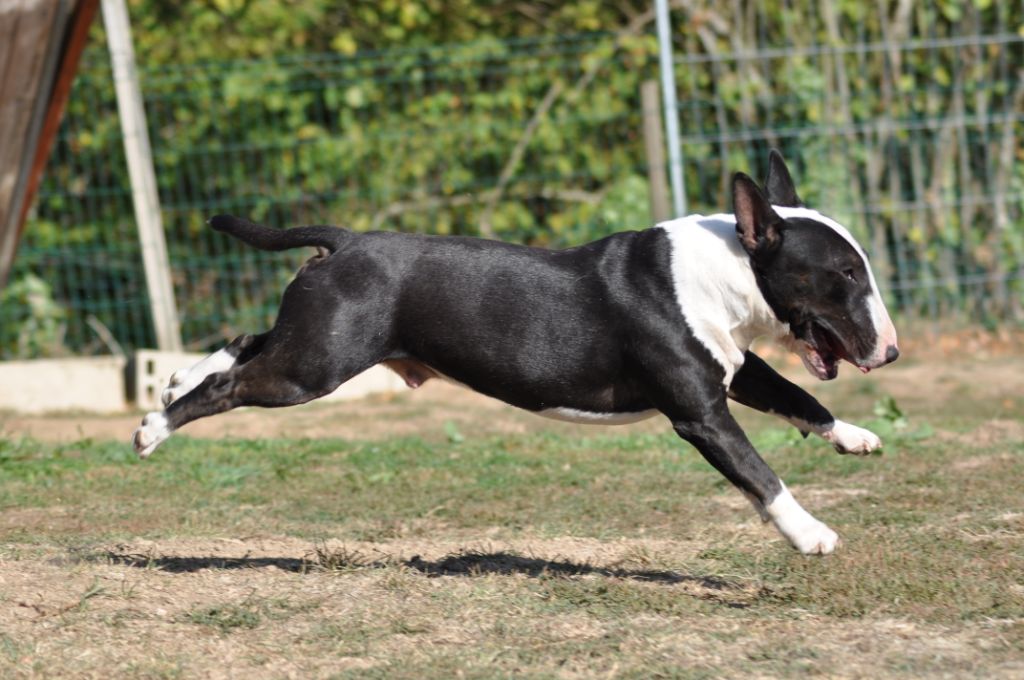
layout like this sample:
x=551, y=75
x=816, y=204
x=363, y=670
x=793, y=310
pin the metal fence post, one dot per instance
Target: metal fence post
x=145, y=198
x=668, y=91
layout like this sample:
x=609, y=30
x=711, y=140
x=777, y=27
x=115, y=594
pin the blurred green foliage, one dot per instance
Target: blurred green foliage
x=34, y=319
x=521, y=121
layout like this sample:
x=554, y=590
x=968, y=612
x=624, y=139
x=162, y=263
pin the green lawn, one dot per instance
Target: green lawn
x=543, y=553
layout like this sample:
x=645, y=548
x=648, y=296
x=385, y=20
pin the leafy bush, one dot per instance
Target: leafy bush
x=521, y=121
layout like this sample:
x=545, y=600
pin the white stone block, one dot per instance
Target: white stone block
x=91, y=384
x=153, y=370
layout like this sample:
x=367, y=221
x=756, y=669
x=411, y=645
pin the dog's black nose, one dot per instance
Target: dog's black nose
x=891, y=354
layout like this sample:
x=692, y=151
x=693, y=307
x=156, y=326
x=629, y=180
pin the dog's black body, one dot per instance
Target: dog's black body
x=538, y=329
x=606, y=332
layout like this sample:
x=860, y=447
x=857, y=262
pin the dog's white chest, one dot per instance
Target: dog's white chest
x=716, y=289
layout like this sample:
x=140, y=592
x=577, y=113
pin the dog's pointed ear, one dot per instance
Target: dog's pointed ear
x=779, y=184
x=758, y=227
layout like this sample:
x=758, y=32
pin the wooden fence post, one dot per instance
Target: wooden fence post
x=654, y=150
x=145, y=198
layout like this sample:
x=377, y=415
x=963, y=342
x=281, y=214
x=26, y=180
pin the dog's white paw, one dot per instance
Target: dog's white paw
x=171, y=395
x=179, y=385
x=815, y=539
x=800, y=528
x=153, y=432
x=178, y=377
x=847, y=438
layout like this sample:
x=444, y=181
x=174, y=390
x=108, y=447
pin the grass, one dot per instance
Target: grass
x=542, y=553
x=603, y=485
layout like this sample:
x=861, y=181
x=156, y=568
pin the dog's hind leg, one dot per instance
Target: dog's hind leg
x=185, y=380
x=262, y=380
x=332, y=325
x=250, y=384
x=757, y=385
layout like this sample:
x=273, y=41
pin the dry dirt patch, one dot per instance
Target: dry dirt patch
x=261, y=607
x=408, y=412
x=920, y=388
x=990, y=432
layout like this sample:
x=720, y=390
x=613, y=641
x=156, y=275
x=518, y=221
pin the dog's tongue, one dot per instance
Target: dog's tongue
x=817, y=365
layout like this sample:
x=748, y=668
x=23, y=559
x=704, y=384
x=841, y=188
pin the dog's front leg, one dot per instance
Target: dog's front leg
x=722, y=442
x=757, y=385
x=692, y=395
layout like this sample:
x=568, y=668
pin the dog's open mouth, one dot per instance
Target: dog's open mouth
x=822, y=352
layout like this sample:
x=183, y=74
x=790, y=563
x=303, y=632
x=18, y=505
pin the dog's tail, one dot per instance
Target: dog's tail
x=266, y=238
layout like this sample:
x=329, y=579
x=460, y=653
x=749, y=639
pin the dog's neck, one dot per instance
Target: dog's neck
x=717, y=291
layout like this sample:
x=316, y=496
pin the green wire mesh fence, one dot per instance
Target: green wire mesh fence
x=908, y=132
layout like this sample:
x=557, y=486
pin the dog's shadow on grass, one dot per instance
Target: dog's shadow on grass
x=467, y=563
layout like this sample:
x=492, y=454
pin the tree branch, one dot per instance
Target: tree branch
x=431, y=202
x=634, y=26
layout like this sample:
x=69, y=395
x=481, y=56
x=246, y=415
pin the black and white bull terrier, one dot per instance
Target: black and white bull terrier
x=614, y=331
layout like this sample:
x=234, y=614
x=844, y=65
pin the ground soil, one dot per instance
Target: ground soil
x=982, y=376
x=127, y=608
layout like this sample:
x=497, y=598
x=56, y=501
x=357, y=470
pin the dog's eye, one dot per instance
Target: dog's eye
x=849, y=274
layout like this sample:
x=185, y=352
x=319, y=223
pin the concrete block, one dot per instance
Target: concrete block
x=92, y=384
x=153, y=370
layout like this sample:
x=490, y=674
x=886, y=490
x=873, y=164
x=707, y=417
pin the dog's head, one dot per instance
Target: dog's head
x=814, y=276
